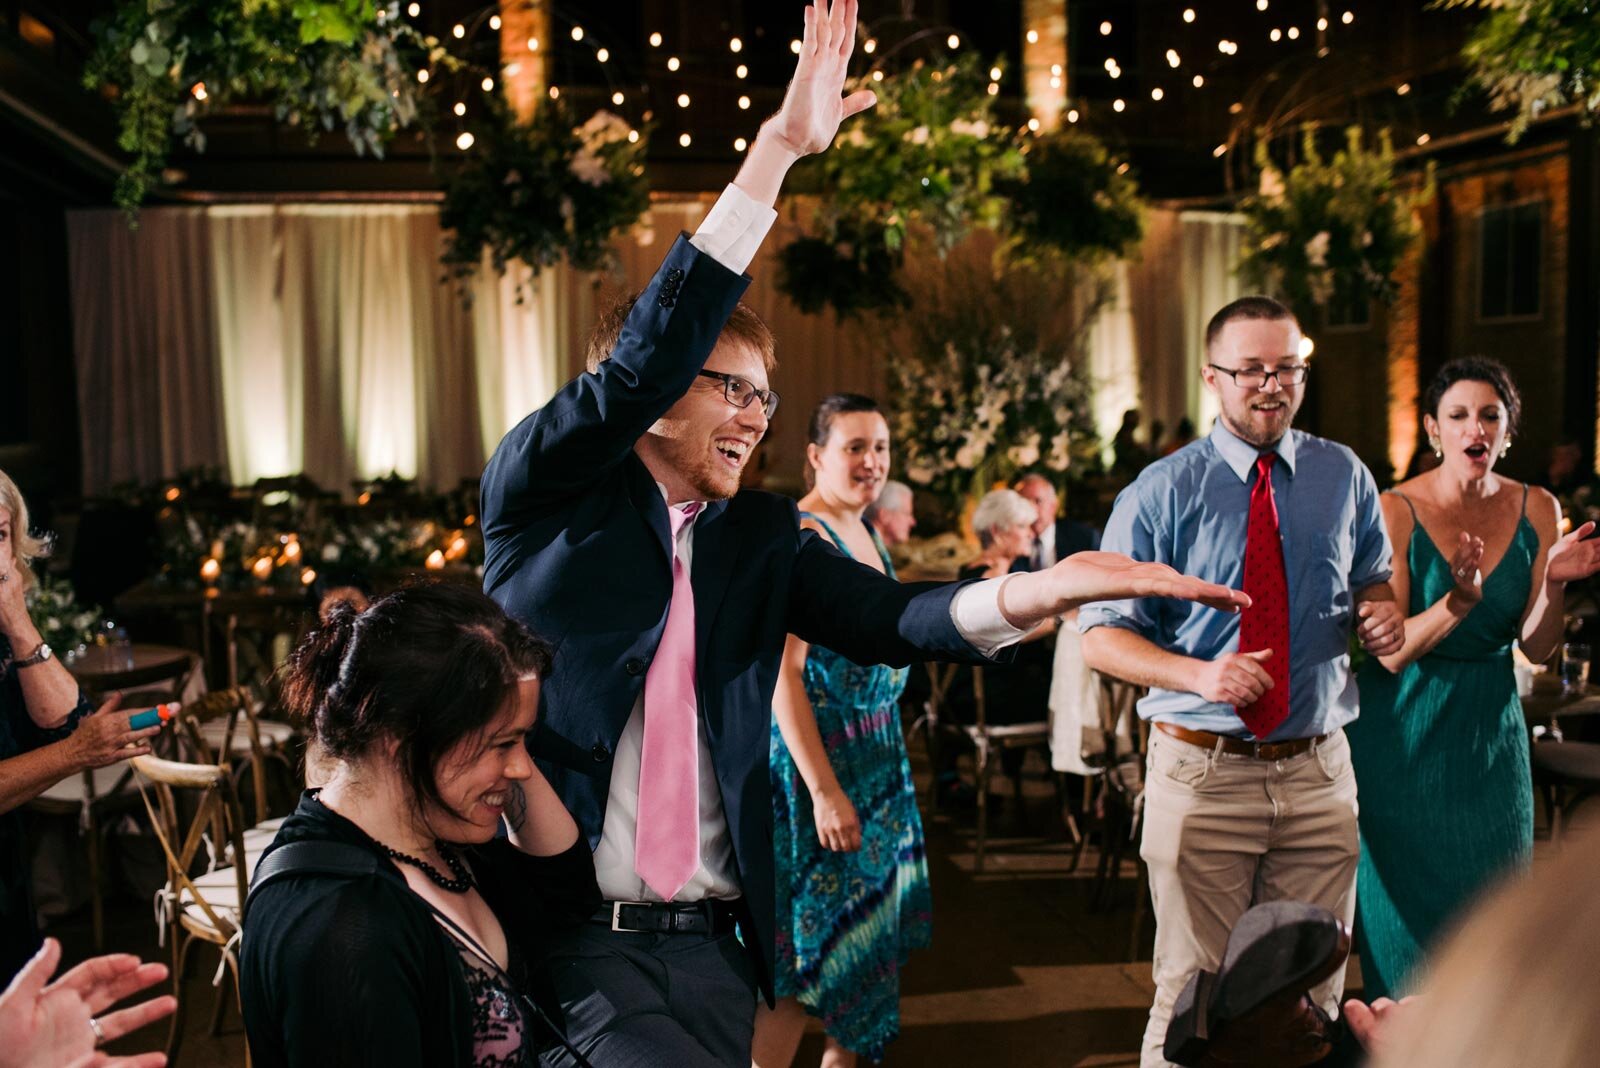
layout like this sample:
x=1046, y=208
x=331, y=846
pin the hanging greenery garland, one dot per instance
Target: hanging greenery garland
x=544, y=191
x=1533, y=55
x=346, y=64
x=1332, y=226
x=1073, y=201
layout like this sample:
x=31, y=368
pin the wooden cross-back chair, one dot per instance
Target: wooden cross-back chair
x=225, y=726
x=203, y=898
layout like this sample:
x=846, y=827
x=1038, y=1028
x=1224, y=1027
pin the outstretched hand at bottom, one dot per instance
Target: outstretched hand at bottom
x=1027, y=600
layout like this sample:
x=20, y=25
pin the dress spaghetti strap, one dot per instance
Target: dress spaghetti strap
x=1524, y=500
x=1409, y=505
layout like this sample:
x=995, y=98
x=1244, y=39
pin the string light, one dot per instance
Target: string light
x=555, y=92
x=953, y=41
x=1424, y=139
x=577, y=33
x=1122, y=168
x=1055, y=68
x=494, y=22
x=871, y=46
x=633, y=137
x=741, y=71
x=1220, y=151
x=414, y=10
x=734, y=44
x=1157, y=93
x=794, y=46
x=1118, y=104
x=1402, y=89
x=994, y=74
x=1173, y=59
x=1188, y=14
x=683, y=100
x=199, y=90
x=1276, y=35
x=460, y=109
x=1306, y=347
x=1261, y=5
x=1235, y=107
x=1055, y=83
x=533, y=44
x=422, y=76
x=672, y=63
x=488, y=85
x=513, y=69
x=877, y=75
x=464, y=141
x=685, y=140
x=1348, y=17
x=617, y=98
x=459, y=31
x=1105, y=28
x=1033, y=127
x=994, y=88
x=655, y=40
x=1294, y=33
x=744, y=103
x=1033, y=36
x=1322, y=24
x=740, y=144
x=602, y=54
x=1199, y=80
x=1072, y=115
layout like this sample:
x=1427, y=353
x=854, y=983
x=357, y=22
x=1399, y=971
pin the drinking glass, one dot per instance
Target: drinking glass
x=1574, y=668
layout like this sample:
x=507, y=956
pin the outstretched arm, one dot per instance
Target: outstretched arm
x=1029, y=599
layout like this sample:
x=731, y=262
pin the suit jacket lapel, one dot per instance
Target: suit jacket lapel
x=716, y=554
x=647, y=499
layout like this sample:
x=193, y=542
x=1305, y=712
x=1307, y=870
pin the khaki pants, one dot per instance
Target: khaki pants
x=1224, y=832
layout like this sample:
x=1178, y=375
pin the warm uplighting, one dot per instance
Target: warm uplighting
x=1105, y=28
x=458, y=31
x=210, y=570
x=672, y=63
x=577, y=33
x=740, y=144
x=1173, y=59
x=308, y=576
x=488, y=85
x=262, y=568
x=1307, y=347
x=1199, y=80
x=199, y=90
x=1072, y=115
x=1118, y=104
x=655, y=40
x=1033, y=36
x=435, y=561
x=744, y=103
x=741, y=71
x=1156, y=93
x=602, y=54
x=954, y=41
x=683, y=100
x=1188, y=14
x=735, y=45
x=685, y=140
x=494, y=22
x=464, y=140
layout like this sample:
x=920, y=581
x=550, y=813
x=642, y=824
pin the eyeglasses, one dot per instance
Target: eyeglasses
x=1256, y=378
x=740, y=393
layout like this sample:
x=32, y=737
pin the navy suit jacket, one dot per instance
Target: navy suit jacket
x=578, y=547
x=1075, y=537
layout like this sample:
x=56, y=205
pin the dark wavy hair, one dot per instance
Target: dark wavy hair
x=428, y=666
x=827, y=410
x=1476, y=369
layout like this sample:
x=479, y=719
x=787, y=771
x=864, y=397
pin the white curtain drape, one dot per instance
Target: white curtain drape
x=1113, y=358
x=1209, y=254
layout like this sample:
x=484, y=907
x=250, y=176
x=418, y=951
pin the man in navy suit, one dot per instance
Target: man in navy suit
x=602, y=511
x=1054, y=538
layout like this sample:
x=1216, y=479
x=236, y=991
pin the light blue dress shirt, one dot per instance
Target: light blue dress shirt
x=1191, y=510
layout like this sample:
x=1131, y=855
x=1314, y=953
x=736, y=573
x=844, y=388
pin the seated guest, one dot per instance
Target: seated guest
x=48, y=1026
x=1182, y=435
x=423, y=701
x=1055, y=538
x=46, y=731
x=892, y=515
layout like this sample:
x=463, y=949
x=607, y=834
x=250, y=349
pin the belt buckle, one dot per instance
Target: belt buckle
x=616, y=917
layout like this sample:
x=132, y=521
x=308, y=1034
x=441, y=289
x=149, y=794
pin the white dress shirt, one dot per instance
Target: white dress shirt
x=1045, y=554
x=731, y=234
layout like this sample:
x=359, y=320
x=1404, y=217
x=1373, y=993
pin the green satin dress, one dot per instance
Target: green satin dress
x=1441, y=762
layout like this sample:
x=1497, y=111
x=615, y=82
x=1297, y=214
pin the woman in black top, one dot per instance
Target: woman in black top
x=41, y=741
x=420, y=704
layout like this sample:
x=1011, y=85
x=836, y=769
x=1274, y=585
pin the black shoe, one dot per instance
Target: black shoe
x=1254, y=1009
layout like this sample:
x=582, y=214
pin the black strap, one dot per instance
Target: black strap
x=345, y=860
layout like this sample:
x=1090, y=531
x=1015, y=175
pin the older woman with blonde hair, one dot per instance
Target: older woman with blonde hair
x=46, y=730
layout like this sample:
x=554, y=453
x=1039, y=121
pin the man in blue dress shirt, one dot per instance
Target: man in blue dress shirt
x=1249, y=795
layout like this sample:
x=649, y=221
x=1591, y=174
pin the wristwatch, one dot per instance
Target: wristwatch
x=38, y=656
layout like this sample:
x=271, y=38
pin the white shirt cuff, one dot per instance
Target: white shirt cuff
x=975, y=610
x=733, y=231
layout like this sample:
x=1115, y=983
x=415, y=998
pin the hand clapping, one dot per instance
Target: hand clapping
x=1573, y=558
x=1466, y=568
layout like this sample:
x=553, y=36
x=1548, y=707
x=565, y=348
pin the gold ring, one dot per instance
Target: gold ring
x=99, y=1035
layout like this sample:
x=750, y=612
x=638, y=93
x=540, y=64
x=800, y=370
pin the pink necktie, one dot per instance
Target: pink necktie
x=667, y=843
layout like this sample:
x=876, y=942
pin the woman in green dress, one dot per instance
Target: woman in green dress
x=1441, y=748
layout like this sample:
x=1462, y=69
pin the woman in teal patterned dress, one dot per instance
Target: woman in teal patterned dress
x=1441, y=748
x=852, y=877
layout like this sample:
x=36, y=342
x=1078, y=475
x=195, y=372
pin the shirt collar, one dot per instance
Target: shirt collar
x=1241, y=455
x=661, y=488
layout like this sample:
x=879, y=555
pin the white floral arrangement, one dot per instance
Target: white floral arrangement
x=64, y=624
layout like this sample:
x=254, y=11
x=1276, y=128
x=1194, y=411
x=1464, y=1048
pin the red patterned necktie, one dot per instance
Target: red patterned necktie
x=1265, y=624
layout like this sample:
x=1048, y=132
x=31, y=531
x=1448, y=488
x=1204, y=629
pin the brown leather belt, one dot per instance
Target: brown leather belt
x=1238, y=746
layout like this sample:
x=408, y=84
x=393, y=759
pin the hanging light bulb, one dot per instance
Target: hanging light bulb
x=655, y=40
x=1220, y=151
x=672, y=63
x=1402, y=89
x=488, y=85
x=685, y=140
x=1294, y=33
x=735, y=45
x=602, y=54
x=1118, y=104
x=633, y=137
x=533, y=44
x=414, y=10
x=1033, y=36
x=494, y=22
x=422, y=76
x=460, y=109
x=1157, y=93
x=1276, y=35
x=1199, y=80
x=1173, y=59
x=871, y=46
x=464, y=140
x=953, y=41
x=683, y=100
x=994, y=74
x=744, y=103
x=199, y=90
x=1322, y=24
x=794, y=46
x=994, y=88
x=1033, y=125
x=1105, y=28
x=1188, y=14
x=1072, y=115
x=740, y=144
x=1347, y=18
x=555, y=92
x=741, y=71
x=458, y=31
x=577, y=33
x=617, y=98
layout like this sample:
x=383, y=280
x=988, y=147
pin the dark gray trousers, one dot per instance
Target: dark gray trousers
x=653, y=1000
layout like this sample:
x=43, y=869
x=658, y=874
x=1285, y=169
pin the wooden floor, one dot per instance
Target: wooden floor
x=1022, y=971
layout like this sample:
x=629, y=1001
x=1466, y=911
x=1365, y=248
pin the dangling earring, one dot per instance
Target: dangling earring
x=1437, y=451
x=1505, y=448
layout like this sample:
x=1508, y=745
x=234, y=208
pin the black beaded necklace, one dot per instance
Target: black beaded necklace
x=458, y=867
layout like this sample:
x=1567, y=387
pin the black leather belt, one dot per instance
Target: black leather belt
x=710, y=917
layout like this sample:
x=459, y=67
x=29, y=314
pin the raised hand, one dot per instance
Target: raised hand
x=1466, y=567
x=813, y=107
x=1573, y=558
x=1104, y=576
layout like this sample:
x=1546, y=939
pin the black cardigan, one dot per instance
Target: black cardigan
x=356, y=972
